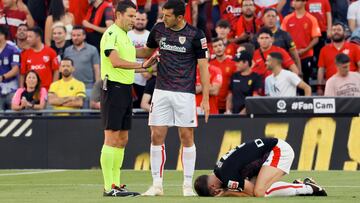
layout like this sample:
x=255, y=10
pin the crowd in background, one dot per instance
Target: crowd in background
x=49, y=50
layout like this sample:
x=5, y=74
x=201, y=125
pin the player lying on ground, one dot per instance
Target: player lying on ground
x=255, y=169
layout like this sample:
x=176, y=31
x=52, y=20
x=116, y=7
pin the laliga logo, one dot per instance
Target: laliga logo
x=281, y=106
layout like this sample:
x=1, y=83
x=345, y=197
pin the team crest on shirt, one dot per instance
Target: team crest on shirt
x=46, y=59
x=346, y=51
x=182, y=39
x=250, y=82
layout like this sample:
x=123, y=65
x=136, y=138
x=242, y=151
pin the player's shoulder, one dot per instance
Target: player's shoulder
x=49, y=50
x=160, y=26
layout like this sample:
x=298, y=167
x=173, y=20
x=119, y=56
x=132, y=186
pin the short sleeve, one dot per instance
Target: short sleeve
x=288, y=61
x=315, y=29
x=15, y=59
x=54, y=60
x=351, y=15
x=329, y=89
x=327, y=7
x=110, y=40
x=43, y=94
x=290, y=44
x=95, y=59
x=200, y=45
x=109, y=14
x=151, y=41
x=53, y=88
x=81, y=90
x=17, y=96
x=294, y=79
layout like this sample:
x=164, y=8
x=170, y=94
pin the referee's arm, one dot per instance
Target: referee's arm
x=118, y=62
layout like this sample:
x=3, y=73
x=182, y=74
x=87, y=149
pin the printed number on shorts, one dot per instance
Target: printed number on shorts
x=259, y=143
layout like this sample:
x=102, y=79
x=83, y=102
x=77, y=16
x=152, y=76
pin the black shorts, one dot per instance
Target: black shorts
x=116, y=106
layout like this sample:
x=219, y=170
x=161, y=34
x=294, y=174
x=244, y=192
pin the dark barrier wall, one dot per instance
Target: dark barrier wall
x=322, y=143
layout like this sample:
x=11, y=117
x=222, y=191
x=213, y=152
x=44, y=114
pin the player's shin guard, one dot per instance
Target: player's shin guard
x=157, y=160
x=283, y=189
x=188, y=160
x=106, y=161
x=118, y=160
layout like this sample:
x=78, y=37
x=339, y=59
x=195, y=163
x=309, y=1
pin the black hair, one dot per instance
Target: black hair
x=4, y=30
x=123, y=5
x=201, y=186
x=270, y=9
x=265, y=30
x=37, y=30
x=338, y=23
x=68, y=59
x=178, y=7
x=216, y=39
x=79, y=27
x=277, y=55
x=223, y=24
x=57, y=10
x=342, y=59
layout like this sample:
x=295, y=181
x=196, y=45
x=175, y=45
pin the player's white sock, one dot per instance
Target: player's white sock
x=283, y=189
x=157, y=160
x=188, y=160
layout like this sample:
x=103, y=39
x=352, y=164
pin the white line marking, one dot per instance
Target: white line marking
x=23, y=128
x=30, y=173
x=10, y=127
x=3, y=122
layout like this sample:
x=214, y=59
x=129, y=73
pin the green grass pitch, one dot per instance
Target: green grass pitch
x=80, y=186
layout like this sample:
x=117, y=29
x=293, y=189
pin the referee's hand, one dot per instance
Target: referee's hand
x=206, y=108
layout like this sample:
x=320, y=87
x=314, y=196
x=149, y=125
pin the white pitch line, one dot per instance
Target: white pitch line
x=30, y=173
x=165, y=185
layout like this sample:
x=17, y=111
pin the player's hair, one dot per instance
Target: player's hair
x=216, y=39
x=265, y=30
x=223, y=24
x=4, y=30
x=23, y=24
x=201, y=186
x=178, y=7
x=68, y=59
x=278, y=56
x=37, y=30
x=79, y=27
x=342, y=59
x=246, y=0
x=123, y=5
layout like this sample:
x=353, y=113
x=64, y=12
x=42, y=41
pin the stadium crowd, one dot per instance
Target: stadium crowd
x=49, y=50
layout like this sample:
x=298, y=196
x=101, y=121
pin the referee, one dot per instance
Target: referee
x=118, y=66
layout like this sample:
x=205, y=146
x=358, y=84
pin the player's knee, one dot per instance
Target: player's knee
x=259, y=192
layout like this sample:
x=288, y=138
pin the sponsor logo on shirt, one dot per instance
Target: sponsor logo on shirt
x=346, y=51
x=38, y=67
x=165, y=46
x=203, y=43
x=233, y=184
x=236, y=11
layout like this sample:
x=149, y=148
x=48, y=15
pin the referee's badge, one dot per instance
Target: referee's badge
x=182, y=39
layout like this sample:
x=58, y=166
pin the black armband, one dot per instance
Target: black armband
x=108, y=52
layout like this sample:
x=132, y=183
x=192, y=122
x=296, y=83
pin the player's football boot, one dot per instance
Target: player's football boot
x=154, y=191
x=317, y=189
x=120, y=192
x=188, y=191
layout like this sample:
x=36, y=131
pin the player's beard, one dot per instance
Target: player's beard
x=66, y=73
x=140, y=29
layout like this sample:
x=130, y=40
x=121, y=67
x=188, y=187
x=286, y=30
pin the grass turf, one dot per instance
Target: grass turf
x=36, y=186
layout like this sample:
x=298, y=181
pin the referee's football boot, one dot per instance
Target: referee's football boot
x=317, y=189
x=120, y=192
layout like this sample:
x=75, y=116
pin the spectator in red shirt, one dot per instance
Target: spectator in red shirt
x=265, y=40
x=305, y=31
x=247, y=25
x=12, y=16
x=230, y=10
x=227, y=67
x=215, y=84
x=99, y=16
x=78, y=9
x=327, y=65
x=40, y=58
